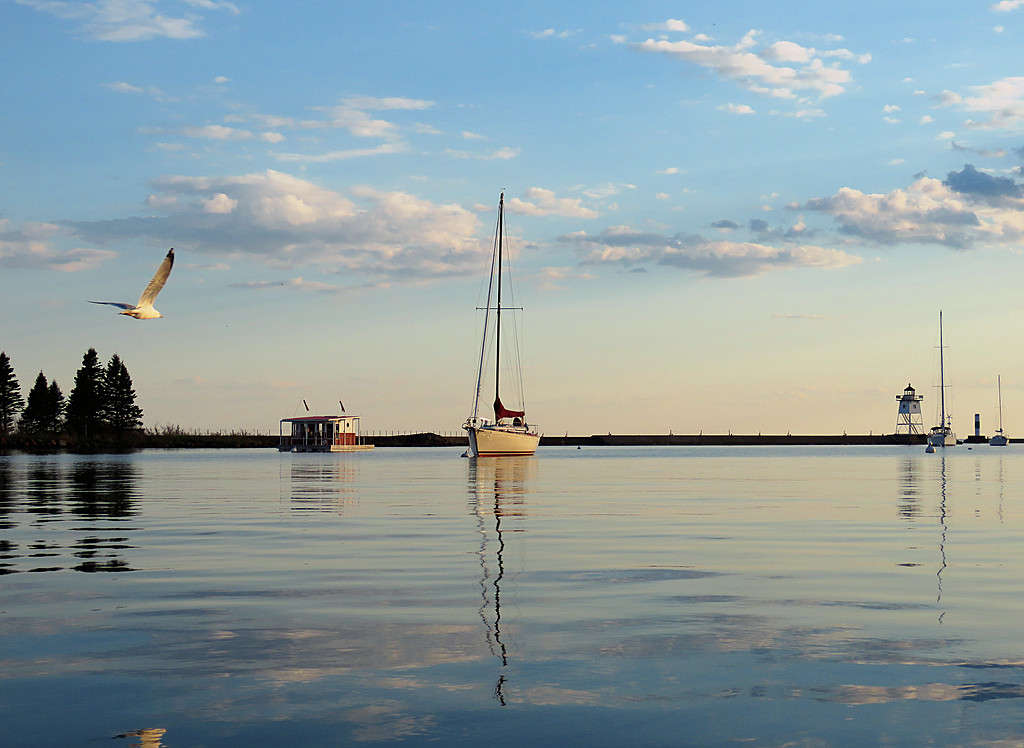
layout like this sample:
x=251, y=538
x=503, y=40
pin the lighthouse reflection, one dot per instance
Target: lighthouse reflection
x=497, y=499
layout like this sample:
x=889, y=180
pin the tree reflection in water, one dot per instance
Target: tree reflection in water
x=40, y=495
x=497, y=488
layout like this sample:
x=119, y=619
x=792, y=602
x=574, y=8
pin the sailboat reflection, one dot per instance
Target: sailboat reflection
x=942, y=536
x=497, y=488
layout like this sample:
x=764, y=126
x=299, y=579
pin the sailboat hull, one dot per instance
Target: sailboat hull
x=998, y=440
x=939, y=438
x=494, y=441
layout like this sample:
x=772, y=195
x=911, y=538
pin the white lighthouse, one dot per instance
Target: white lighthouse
x=908, y=418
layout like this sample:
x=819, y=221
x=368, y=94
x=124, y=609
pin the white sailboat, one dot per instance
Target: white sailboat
x=508, y=433
x=999, y=439
x=941, y=435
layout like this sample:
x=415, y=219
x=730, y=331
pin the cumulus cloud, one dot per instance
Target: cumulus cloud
x=287, y=221
x=926, y=119
x=216, y=132
x=537, y=201
x=128, y=88
x=971, y=181
x=672, y=24
x=31, y=247
x=669, y=170
x=965, y=211
x=123, y=20
x=629, y=248
x=552, y=278
x=1000, y=104
x=1005, y=6
x=783, y=69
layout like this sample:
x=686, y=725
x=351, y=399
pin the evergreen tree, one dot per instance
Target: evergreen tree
x=11, y=401
x=35, y=418
x=54, y=408
x=120, y=411
x=86, y=401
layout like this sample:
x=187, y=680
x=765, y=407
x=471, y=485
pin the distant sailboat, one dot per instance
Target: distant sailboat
x=999, y=439
x=509, y=433
x=942, y=435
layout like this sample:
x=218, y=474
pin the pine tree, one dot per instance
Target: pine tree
x=120, y=411
x=86, y=401
x=11, y=401
x=55, y=406
x=34, y=420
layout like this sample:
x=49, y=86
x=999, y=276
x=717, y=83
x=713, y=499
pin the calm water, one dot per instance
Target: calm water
x=660, y=596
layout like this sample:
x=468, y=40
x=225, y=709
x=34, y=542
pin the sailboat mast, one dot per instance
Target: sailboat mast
x=483, y=342
x=999, y=389
x=942, y=378
x=497, y=327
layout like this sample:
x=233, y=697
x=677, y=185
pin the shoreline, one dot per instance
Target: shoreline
x=430, y=439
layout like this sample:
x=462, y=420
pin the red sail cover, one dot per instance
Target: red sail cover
x=500, y=411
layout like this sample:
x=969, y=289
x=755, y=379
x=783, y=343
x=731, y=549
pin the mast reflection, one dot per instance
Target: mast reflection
x=942, y=536
x=497, y=488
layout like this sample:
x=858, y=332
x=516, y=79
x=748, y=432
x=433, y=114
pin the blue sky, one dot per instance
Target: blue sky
x=741, y=217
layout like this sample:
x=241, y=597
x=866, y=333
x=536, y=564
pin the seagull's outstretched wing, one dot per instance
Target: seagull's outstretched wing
x=159, y=279
x=114, y=303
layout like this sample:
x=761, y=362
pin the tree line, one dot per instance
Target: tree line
x=101, y=405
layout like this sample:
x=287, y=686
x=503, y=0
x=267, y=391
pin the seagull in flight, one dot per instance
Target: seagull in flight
x=144, y=309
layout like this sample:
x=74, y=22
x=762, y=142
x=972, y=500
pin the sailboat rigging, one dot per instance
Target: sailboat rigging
x=508, y=433
x=941, y=435
x=999, y=439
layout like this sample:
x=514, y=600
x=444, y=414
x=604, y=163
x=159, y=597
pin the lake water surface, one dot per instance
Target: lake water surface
x=603, y=596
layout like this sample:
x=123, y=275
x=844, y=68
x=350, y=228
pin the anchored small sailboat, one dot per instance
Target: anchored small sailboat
x=509, y=433
x=941, y=435
x=999, y=439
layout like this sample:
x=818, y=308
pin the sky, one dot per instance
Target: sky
x=735, y=216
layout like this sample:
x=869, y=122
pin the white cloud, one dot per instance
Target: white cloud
x=424, y=129
x=669, y=170
x=220, y=80
x=119, y=20
x=467, y=135
x=128, y=88
x=928, y=211
x=896, y=161
x=295, y=284
x=1000, y=102
x=890, y=108
x=661, y=196
x=287, y=222
x=927, y=119
x=945, y=135
x=892, y=120
x=342, y=155
x=999, y=29
x=800, y=70
x=502, y=154
x=214, y=5
x=736, y=108
x=624, y=246
x=216, y=132
x=919, y=92
x=271, y=137
x=537, y=201
x=553, y=34
x=31, y=247
x=1005, y=6
x=672, y=24
x=219, y=203
x=551, y=278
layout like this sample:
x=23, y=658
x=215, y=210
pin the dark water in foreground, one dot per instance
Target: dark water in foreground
x=616, y=596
